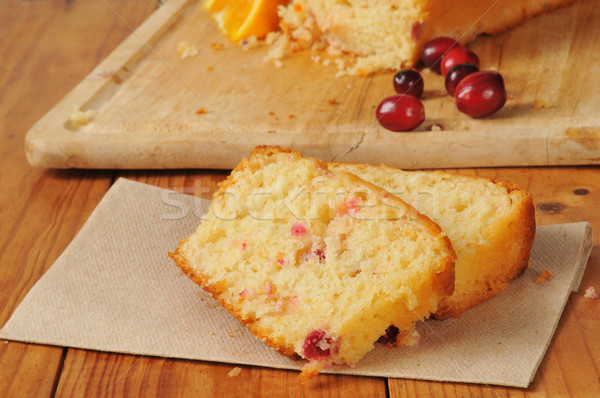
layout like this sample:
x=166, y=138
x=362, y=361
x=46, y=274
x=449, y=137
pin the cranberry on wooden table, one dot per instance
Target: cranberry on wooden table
x=435, y=49
x=458, y=56
x=408, y=81
x=400, y=112
x=456, y=74
x=480, y=94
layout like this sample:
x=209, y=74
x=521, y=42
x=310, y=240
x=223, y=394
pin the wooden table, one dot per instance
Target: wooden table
x=46, y=48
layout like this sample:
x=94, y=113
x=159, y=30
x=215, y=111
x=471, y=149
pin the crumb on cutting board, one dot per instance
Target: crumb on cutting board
x=541, y=104
x=186, y=50
x=81, y=118
x=249, y=43
x=436, y=127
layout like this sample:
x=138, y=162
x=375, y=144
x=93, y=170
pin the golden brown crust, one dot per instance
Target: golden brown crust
x=517, y=20
x=443, y=282
x=513, y=247
x=216, y=290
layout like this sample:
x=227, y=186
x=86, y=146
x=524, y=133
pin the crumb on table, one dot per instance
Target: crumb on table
x=591, y=294
x=234, y=372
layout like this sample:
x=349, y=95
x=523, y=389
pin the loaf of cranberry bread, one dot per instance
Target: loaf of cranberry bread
x=317, y=264
x=491, y=225
x=389, y=34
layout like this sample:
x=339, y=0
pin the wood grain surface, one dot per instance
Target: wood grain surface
x=47, y=48
x=146, y=99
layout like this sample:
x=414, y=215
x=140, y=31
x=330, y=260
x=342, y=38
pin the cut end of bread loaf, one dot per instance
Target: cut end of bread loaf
x=389, y=34
x=490, y=223
x=317, y=264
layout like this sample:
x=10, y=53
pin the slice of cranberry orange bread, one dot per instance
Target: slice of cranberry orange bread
x=491, y=225
x=315, y=264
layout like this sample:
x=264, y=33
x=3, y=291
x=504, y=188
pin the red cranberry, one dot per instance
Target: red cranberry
x=409, y=82
x=458, y=56
x=480, y=94
x=456, y=74
x=390, y=336
x=317, y=345
x=434, y=50
x=400, y=112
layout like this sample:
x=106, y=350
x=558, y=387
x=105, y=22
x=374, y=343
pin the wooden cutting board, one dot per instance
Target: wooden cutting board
x=147, y=103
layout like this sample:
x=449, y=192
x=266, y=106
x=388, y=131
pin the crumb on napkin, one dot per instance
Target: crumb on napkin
x=544, y=276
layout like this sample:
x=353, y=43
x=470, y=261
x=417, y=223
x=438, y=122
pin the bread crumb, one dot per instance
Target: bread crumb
x=271, y=37
x=249, y=43
x=201, y=111
x=271, y=113
x=217, y=46
x=271, y=131
x=291, y=116
x=541, y=104
x=186, y=50
x=81, y=118
x=544, y=276
x=209, y=68
x=331, y=101
x=212, y=333
x=309, y=371
x=462, y=126
x=234, y=372
x=591, y=294
x=436, y=127
x=412, y=339
x=278, y=63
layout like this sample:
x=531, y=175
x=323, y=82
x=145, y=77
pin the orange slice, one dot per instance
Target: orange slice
x=241, y=19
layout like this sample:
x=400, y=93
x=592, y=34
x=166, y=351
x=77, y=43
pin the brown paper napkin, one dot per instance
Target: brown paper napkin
x=115, y=289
